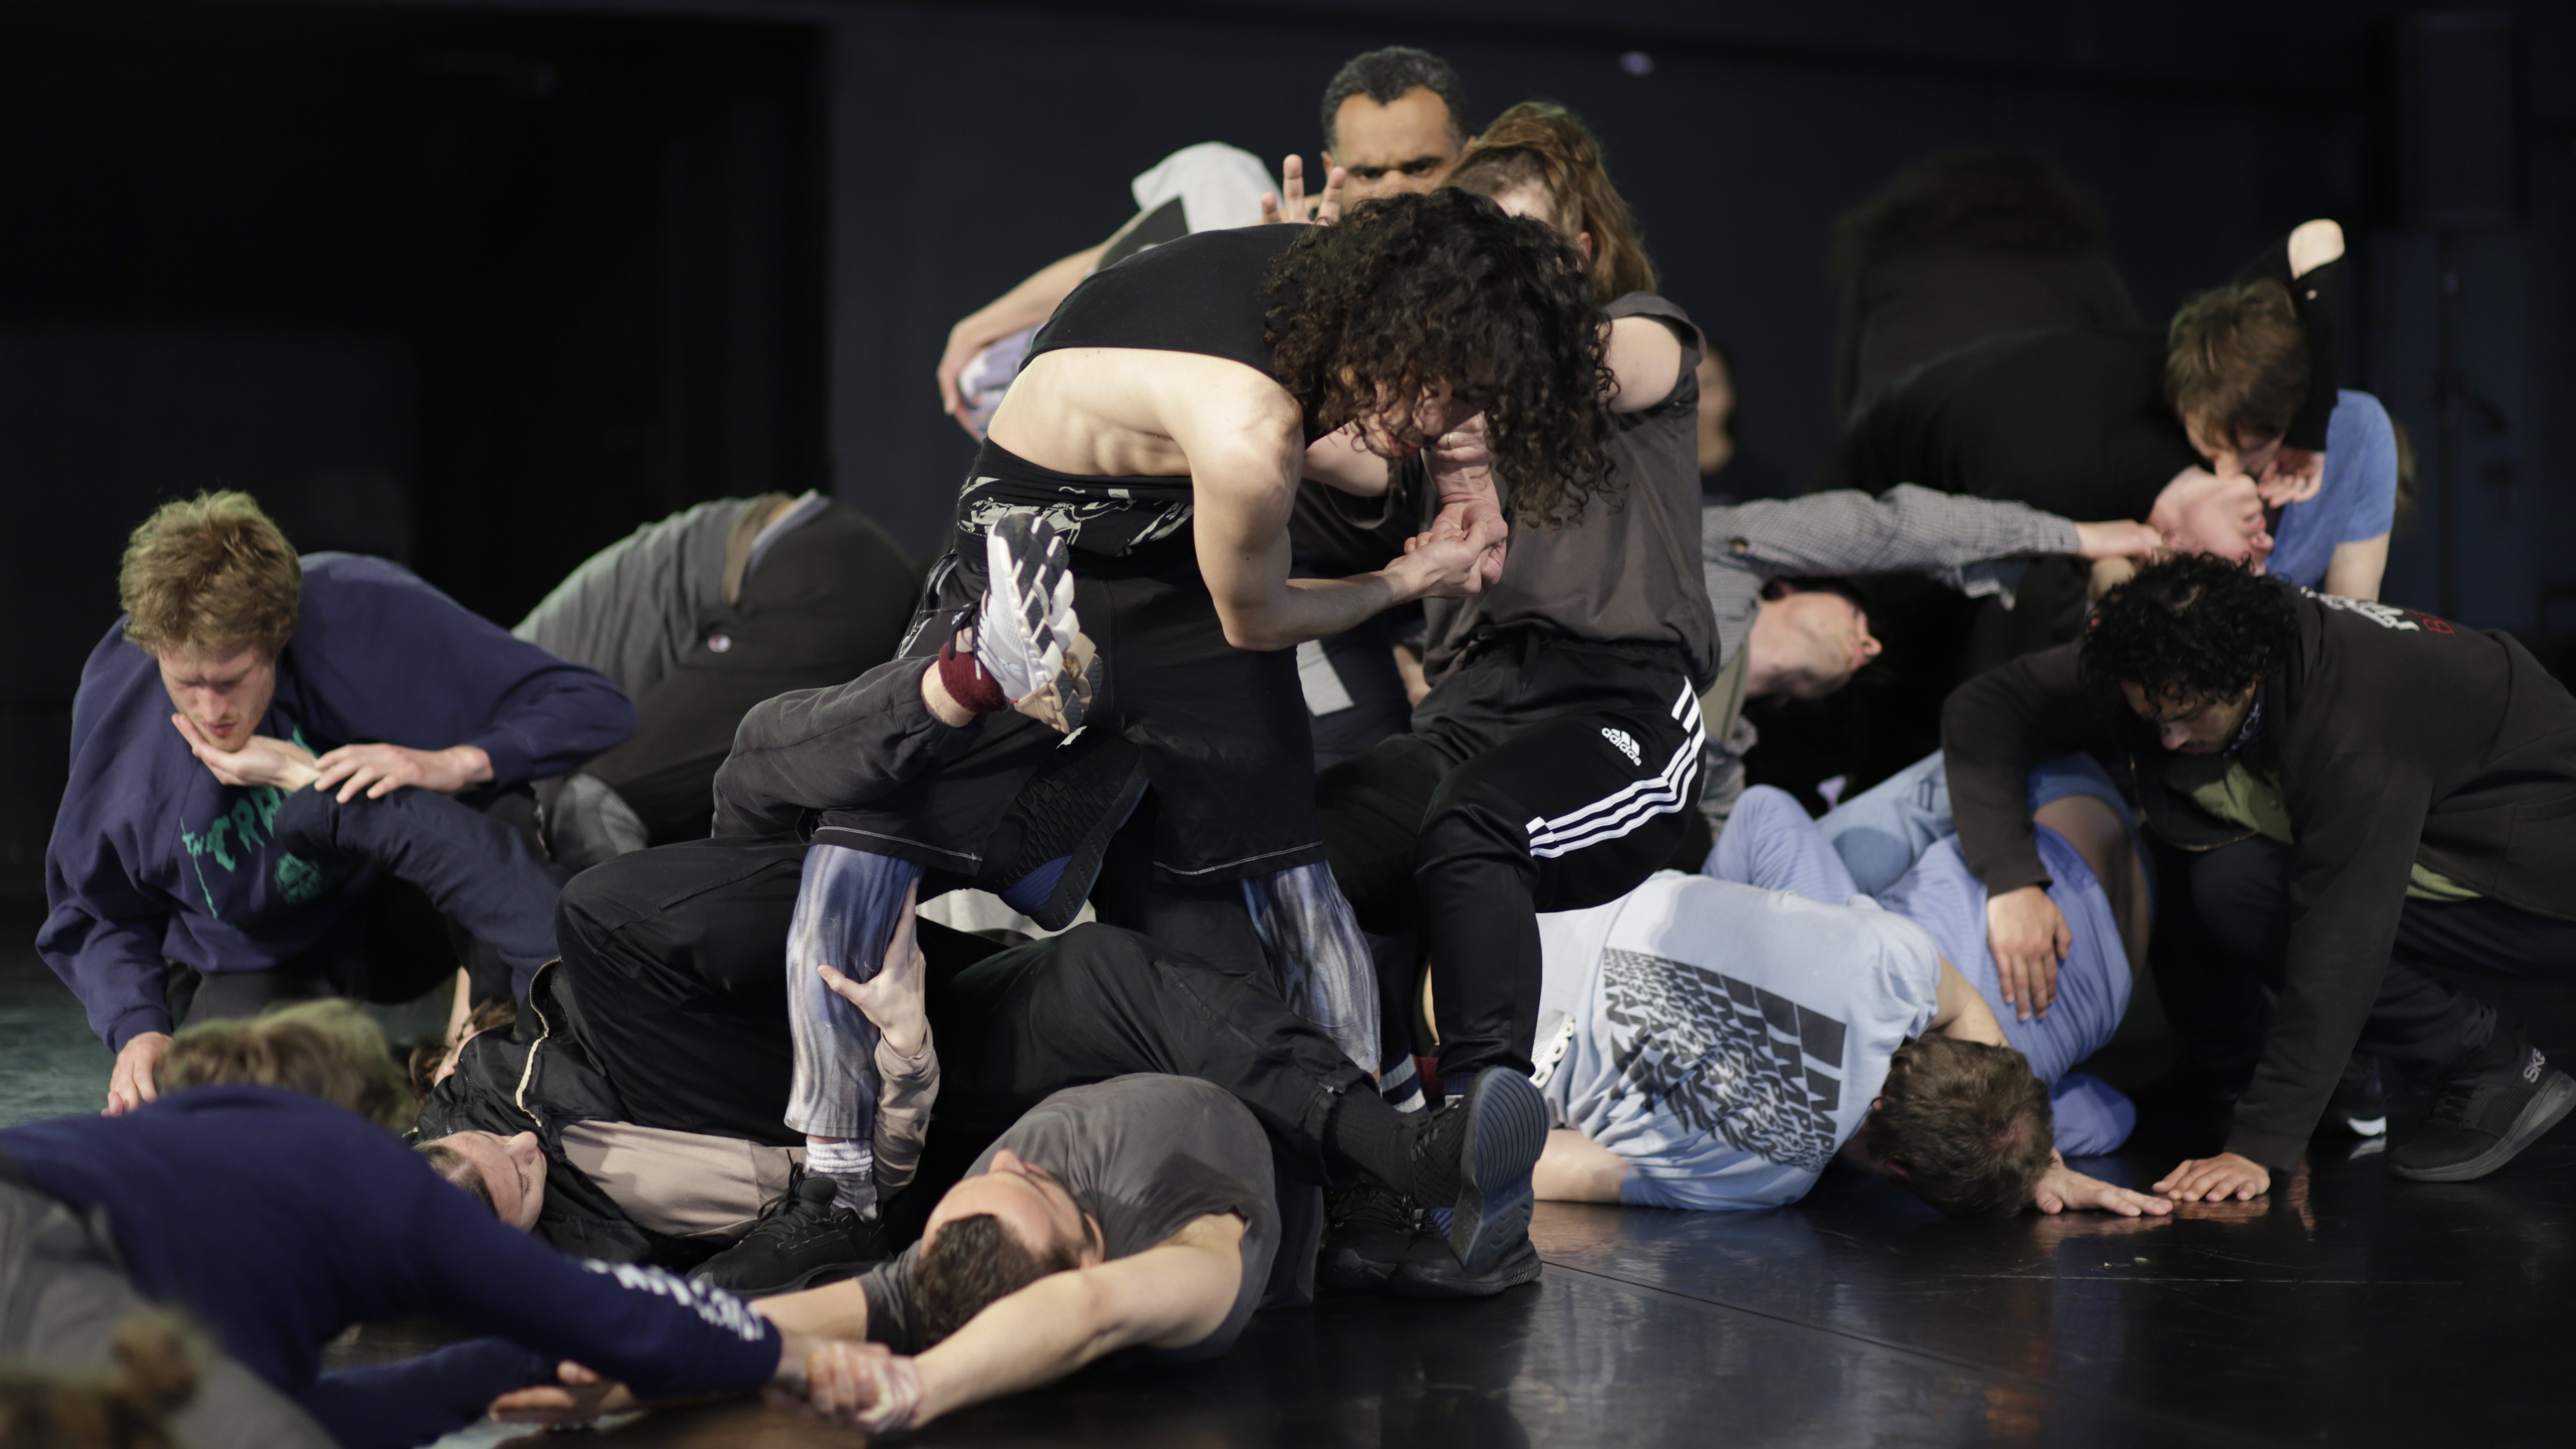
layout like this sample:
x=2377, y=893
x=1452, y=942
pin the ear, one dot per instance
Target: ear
x=1329, y=162
x=1583, y=244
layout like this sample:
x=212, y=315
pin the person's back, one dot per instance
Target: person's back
x=2075, y=423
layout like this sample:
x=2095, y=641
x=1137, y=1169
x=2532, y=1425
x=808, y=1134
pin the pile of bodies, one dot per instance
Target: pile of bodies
x=1300, y=821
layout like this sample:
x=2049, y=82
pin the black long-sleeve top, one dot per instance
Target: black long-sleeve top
x=2396, y=737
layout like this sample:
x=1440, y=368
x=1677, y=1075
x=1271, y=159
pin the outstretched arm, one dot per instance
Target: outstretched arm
x=1172, y=1295
x=1906, y=529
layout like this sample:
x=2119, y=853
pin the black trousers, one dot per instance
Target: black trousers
x=830, y=601
x=673, y=960
x=2421, y=1023
x=465, y=885
x=1543, y=774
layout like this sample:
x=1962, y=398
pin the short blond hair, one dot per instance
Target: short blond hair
x=2236, y=361
x=213, y=572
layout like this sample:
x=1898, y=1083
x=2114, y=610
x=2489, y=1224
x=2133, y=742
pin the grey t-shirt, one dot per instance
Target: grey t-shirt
x=1144, y=1155
x=1627, y=570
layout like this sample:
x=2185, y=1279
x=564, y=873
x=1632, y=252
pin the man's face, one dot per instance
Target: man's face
x=2212, y=513
x=1404, y=149
x=224, y=694
x=514, y=1172
x=1828, y=642
x=1029, y=1203
x=2227, y=456
x=2200, y=725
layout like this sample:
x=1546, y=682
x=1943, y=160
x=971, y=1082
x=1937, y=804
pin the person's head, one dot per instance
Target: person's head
x=1809, y=640
x=2185, y=643
x=2236, y=371
x=1716, y=410
x=1965, y=1125
x=210, y=589
x=1537, y=160
x=1994, y=200
x=158, y=1362
x=325, y=1049
x=433, y=1062
x=505, y=1174
x=1395, y=119
x=1416, y=313
x=994, y=1234
x=2201, y=512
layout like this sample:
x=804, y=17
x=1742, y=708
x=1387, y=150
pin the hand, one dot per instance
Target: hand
x=130, y=1085
x=1327, y=208
x=865, y=1385
x=582, y=1397
x=260, y=761
x=895, y=1000
x=964, y=340
x=1455, y=558
x=2029, y=936
x=380, y=770
x=2120, y=538
x=1462, y=478
x=2293, y=476
x=2215, y=1179
x=2063, y=1189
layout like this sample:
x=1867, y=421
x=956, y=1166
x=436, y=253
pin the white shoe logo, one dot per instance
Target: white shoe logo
x=2532, y=1073
x=1620, y=741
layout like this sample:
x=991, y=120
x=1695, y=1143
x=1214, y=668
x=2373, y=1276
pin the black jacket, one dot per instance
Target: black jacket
x=2397, y=738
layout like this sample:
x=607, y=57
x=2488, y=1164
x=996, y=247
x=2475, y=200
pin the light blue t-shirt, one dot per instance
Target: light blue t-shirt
x=1723, y=1038
x=2358, y=501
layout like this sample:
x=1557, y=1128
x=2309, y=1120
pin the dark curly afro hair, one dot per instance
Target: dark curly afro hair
x=1405, y=294
x=2190, y=627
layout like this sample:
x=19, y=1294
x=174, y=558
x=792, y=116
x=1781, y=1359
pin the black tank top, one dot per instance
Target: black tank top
x=1199, y=293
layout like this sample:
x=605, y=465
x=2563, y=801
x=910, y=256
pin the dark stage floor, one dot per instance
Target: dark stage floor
x=2347, y=1308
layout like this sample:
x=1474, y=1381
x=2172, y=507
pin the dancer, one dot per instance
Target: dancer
x=2371, y=793
x=166, y=851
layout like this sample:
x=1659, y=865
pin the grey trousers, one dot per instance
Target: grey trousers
x=62, y=1294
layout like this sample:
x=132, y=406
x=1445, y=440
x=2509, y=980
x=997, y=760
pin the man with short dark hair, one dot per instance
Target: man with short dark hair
x=238, y=664
x=2372, y=794
x=1395, y=121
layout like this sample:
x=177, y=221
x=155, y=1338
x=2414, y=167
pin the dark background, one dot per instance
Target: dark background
x=481, y=287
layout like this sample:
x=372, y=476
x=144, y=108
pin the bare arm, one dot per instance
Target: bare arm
x=1171, y=1295
x=1645, y=356
x=1244, y=482
x=2354, y=571
x=1574, y=1168
x=1958, y=1011
x=1026, y=305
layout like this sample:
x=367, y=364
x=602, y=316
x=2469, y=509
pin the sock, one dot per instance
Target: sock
x=1401, y=1086
x=1372, y=1136
x=853, y=1170
x=969, y=683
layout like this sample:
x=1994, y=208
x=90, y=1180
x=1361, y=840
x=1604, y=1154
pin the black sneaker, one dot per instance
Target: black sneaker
x=2497, y=1105
x=1045, y=853
x=1367, y=1230
x=800, y=1240
x=1486, y=1143
x=1431, y=1271
x=2360, y=1103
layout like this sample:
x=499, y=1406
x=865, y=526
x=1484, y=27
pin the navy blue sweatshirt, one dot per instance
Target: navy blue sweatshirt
x=152, y=860
x=278, y=1220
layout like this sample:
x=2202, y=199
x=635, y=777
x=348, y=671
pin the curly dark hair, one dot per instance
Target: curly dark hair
x=1406, y=294
x=2190, y=627
x=1968, y=1125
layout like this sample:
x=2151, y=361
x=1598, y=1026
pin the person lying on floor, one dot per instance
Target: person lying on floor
x=167, y=851
x=656, y=1086
x=279, y=1218
x=2372, y=798
x=1715, y=1040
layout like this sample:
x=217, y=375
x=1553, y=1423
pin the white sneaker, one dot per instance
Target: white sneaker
x=1027, y=635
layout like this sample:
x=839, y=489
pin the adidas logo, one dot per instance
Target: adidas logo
x=2531, y=1073
x=1620, y=741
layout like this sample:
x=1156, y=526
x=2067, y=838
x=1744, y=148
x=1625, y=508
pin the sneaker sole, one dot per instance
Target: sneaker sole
x=1506, y=1130
x=2547, y=1107
x=1410, y=1282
